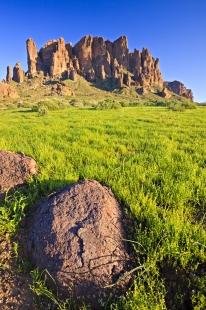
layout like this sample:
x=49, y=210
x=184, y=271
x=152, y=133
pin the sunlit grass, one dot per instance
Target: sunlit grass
x=154, y=160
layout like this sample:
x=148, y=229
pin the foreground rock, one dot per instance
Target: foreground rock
x=180, y=89
x=15, y=169
x=77, y=235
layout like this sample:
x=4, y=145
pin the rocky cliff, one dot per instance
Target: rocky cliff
x=108, y=64
x=180, y=89
x=95, y=59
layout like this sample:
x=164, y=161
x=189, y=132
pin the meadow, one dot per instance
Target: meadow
x=154, y=160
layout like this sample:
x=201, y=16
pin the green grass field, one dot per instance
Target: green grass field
x=154, y=159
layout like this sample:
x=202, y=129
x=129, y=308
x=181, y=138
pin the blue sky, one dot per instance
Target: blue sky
x=174, y=31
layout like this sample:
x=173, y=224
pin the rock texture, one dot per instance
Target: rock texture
x=18, y=73
x=7, y=91
x=9, y=74
x=95, y=59
x=77, y=235
x=15, y=169
x=165, y=93
x=179, y=89
x=61, y=89
x=108, y=64
x=31, y=57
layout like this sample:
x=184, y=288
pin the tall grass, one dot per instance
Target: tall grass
x=154, y=160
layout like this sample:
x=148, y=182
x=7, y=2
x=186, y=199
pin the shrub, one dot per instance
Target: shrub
x=108, y=104
x=43, y=110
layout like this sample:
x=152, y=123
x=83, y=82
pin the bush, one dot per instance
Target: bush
x=108, y=104
x=49, y=105
x=76, y=103
x=181, y=105
x=43, y=110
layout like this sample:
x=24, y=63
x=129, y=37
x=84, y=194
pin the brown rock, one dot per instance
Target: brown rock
x=165, y=93
x=145, y=68
x=77, y=235
x=119, y=81
x=120, y=51
x=53, y=58
x=15, y=169
x=142, y=90
x=9, y=74
x=83, y=51
x=18, y=73
x=127, y=79
x=32, y=55
x=8, y=91
x=179, y=89
x=94, y=58
x=61, y=89
x=73, y=75
x=76, y=64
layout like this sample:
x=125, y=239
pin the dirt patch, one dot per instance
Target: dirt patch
x=14, y=286
x=77, y=235
x=15, y=169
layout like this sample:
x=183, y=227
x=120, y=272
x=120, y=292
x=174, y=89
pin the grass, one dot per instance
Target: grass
x=154, y=159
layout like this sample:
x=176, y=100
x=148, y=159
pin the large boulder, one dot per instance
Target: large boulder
x=77, y=235
x=15, y=170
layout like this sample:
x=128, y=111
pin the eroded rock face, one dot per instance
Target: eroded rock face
x=96, y=59
x=179, y=89
x=77, y=235
x=15, y=169
x=9, y=74
x=18, y=73
x=32, y=55
x=61, y=89
x=54, y=59
x=165, y=93
x=8, y=91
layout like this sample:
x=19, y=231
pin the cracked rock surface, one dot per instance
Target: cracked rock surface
x=77, y=235
x=15, y=169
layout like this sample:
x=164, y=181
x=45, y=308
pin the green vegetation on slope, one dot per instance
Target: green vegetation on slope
x=154, y=160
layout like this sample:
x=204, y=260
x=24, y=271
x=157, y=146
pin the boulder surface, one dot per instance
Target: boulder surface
x=15, y=169
x=77, y=235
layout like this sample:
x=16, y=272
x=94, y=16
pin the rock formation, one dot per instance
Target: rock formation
x=179, y=89
x=61, y=89
x=98, y=60
x=77, y=235
x=9, y=74
x=31, y=57
x=18, y=73
x=8, y=91
x=165, y=93
x=95, y=59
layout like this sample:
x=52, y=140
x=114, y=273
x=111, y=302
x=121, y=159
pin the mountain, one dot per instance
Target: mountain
x=109, y=65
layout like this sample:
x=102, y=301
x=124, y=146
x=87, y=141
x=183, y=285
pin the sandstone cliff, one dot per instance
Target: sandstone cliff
x=108, y=64
x=95, y=59
x=179, y=89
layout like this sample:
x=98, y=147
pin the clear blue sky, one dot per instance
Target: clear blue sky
x=174, y=31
